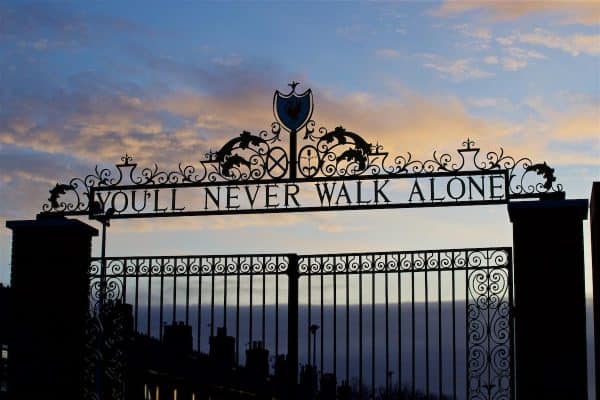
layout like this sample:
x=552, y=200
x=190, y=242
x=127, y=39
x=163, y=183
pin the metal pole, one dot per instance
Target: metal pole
x=100, y=316
x=105, y=221
x=103, y=268
x=292, y=356
x=293, y=154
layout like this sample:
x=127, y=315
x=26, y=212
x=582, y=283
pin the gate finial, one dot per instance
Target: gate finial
x=293, y=85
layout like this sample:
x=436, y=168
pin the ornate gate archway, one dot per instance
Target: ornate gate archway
x=434, y=323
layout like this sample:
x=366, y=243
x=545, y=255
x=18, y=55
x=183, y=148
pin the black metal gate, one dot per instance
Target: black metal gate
x=431, y=324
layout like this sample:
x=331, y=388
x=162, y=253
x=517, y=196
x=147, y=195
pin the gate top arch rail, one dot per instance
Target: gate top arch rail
x=307, y=264
x=321, y=155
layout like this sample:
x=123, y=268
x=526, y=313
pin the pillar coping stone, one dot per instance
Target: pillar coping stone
x=537, y=208
x=51, y=222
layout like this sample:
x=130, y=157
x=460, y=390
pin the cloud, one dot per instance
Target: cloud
x=91, y=126
x=356, y=31
x=406, y=121
x=506, y=40
x=578, y=12
x=577, y=123
x=485, y=102
x=45, y=25
x=43, y=44
x=98, y=118
x=516, y=58
x=574, y=124
x=457, y=70
x=575, y=44
x=491, y=60
x=230, y=60
x=478, y=38
x=479, y=32
x=27, y=175
x=513, y=64
x=387, y=53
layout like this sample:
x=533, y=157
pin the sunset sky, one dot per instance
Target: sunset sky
x=81, y=83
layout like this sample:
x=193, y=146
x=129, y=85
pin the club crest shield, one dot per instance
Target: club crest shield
x=293, y=110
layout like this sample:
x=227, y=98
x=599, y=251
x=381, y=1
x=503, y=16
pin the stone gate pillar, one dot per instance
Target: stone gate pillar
x=49, y=293
x=549, y=290
x=595, y=238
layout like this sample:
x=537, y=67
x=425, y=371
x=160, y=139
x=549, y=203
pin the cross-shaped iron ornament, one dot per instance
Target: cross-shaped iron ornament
x=126, y=159
x=468, y=143
x=293, y=85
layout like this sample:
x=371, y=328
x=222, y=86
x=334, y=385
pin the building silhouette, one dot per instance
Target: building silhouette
x=171, y=369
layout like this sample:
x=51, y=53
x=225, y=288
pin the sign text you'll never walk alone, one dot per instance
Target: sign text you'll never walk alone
x=311, y=195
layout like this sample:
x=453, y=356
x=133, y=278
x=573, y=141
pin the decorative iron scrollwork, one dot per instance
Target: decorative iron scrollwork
x=117, y=269
x=488, y=333
x=319, y=154
x=404, y=261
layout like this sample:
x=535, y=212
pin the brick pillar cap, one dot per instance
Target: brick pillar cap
x=58, y=221
x=575, y=208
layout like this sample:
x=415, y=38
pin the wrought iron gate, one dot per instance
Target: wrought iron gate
x=409, y=324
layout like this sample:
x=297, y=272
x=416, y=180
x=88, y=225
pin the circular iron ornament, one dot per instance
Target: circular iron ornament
x=277, y=162
x=308, y=161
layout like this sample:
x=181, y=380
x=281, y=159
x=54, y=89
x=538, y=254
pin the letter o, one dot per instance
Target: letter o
x=449, y=188
x=125, y=202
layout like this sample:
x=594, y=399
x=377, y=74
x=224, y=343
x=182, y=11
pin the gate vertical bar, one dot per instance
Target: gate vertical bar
x=347, y=269
x=387, y=332
x=162, y=301
x=225, y=296
x=277, y=310
x=399, y=309
x=322, y=320
x=99, y=372
x=335, y=323
x=237, y=311
x=263, y=309
x=292, y=326
x=454, y=324
x=511, y=327
x=372, y=327
x=360, y=330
